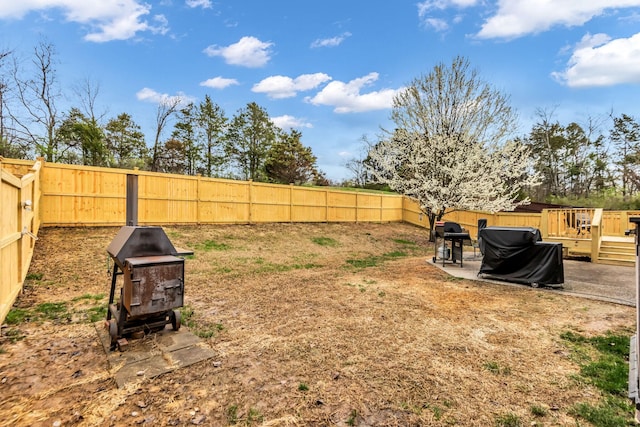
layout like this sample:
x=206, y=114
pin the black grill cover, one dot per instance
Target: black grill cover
x=517, y=254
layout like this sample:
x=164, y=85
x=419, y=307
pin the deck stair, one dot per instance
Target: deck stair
x=617, y=251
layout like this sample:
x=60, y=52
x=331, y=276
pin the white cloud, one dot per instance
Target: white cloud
x=428, y=7
x=107, y=20
x=287, y=122
x=330, y=42
x=205, y=4
x=278, y=87
x=247, y=52
x=346, y=97
x=437, y=24
x=516, y=18
x=219, y=82
x=599, y=60
x=150, y=95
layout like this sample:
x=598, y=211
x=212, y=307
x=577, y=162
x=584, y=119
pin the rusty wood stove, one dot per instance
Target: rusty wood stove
x=153, y=277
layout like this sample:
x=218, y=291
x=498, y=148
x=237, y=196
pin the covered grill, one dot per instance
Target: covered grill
x=153, y=278
x=518, y=254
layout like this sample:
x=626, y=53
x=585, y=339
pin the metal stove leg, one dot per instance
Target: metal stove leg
x=112, y=293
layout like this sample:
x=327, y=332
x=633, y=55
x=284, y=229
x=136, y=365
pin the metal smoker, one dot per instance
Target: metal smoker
x=153, y=277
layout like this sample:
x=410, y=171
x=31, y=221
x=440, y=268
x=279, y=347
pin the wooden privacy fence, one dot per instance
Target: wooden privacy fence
x=19, y=224
x=91, y=196
x=50, y=194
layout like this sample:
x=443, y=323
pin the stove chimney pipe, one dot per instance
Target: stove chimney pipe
x=132, y=200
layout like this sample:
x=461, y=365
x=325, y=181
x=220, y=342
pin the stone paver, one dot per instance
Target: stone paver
x=153, y=355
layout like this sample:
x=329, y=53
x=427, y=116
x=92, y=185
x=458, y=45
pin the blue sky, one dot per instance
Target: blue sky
x=330, y=68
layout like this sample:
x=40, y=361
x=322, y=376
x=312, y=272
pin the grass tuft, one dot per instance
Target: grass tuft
x=34, y=276
x=96, y=297
x=200, y=329
x=232, y=414
x=17, y=315
x=211, y=245
x=372, y=260
x=495, y=368
x=538, y=411
x=508, y=420
x=325, y=241
x=52, y=310
x=405, y=242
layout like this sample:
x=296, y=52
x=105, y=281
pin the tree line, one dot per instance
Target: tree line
x=202, y=139
x=453, y=133
x=596, y=163
x=590, y=164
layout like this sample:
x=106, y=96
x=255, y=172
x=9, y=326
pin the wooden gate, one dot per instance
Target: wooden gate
x=19, y=223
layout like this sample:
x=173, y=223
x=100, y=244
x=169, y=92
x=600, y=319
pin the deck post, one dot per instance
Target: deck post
x=596, y=234
x=544, y=224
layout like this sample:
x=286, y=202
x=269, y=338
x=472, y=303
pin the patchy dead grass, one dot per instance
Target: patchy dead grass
x=312, y=324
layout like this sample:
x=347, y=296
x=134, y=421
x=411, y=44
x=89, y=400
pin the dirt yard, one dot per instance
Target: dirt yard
x=311, y=325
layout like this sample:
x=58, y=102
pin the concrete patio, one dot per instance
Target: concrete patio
x=584, y=279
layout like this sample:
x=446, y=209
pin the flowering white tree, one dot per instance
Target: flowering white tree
x=451, y=147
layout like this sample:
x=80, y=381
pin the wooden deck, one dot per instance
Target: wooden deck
x=614, y=250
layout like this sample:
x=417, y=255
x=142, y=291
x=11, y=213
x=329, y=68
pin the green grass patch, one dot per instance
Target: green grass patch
x=90, y=297
x=254, y=416
x=495, y=368
x=58, y=311
x=370, y=261
x=395, y=254
x=174, y=234
x=14, y=335
x=211, y=245
x=508, y=420
x=34, y=276
x=373, y=260
x=96, y=313
x=224, y=269
x=325, y=241
x=538, y=411
x=52, y=311
x=405, y=242
x=351, y=421
x=303, y=387
x=613, y=412
x=269, y=267
x=17, y=315
x=200, y=329
x=232, y=414
x=603, y=362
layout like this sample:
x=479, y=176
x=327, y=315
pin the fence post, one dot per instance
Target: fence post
x=198, y=198
x=326, y=206
x=544, y=224
x=596, y=233
x=250, y=200
x=291, y=202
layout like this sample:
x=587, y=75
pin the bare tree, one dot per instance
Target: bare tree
x=38, y=118
x=358, y=165
x=87, y=92
x=166, y=108
x=3, y=90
